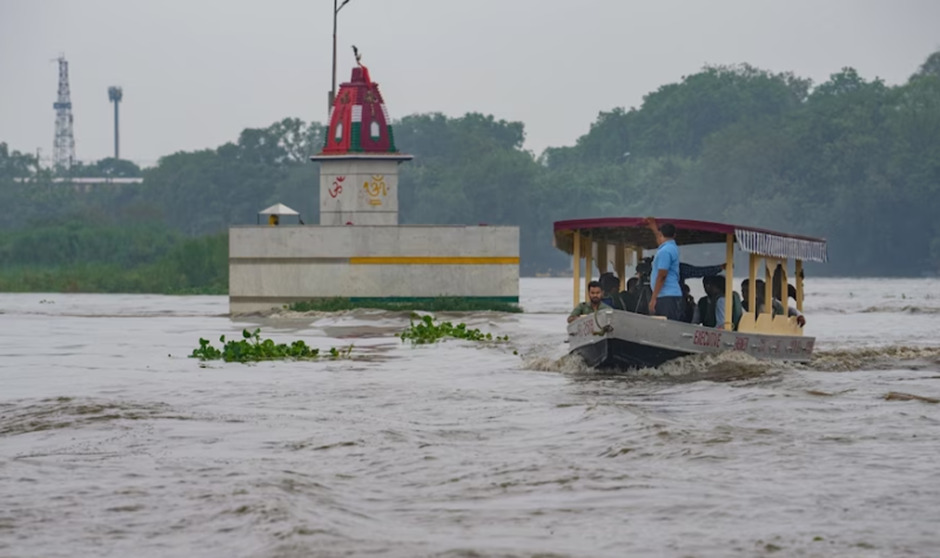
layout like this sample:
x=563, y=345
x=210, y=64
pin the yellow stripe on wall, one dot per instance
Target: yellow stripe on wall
x=432, y=260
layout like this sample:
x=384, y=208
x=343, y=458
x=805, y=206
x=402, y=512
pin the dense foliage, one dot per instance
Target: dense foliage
x=850, y=159
x=80, y=257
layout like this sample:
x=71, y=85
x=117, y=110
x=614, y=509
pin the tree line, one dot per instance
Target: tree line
x=851, y=159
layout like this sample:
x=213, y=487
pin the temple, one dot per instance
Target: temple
x=359, y=121
x=359, y=161
x=359, y=251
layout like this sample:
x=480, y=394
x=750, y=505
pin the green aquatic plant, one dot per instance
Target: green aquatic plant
x=340, y=353
x=425, y=331
x=251, y=348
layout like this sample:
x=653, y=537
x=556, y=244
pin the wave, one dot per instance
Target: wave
x=568, y=364
x=123, y=313
x=723, y=367
x=361, y=313
x=875, y=358
x=878, y=309
x=902, y=309
x=733, y=365
x=68, y=412
x=727, y=366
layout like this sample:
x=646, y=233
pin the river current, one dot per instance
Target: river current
x=114, y=443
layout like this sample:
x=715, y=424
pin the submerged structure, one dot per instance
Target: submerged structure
x=358, y=250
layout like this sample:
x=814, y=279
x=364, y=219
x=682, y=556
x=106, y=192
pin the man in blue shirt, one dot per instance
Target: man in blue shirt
x=667, y=294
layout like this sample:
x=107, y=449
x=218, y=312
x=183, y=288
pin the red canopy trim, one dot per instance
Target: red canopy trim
x=633, y=231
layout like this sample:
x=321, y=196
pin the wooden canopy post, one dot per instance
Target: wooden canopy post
x=588, y=263
x=768, y=287
x=620, y=265
x=601, y=257
x=576, y=266
x=729, y=282
x=752, y=284
x=799, y=285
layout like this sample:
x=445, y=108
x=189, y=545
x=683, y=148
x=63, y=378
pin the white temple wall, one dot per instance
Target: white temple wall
x=273, y=266
x=359, y=191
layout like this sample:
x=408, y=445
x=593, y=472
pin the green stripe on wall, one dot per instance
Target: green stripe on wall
x=509, y=299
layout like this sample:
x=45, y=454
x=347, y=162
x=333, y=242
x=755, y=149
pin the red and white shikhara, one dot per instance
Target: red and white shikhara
x=617, y=338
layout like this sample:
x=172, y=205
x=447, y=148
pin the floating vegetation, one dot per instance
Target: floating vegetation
x=430, y=304
x=251, y=348
x=425, y=331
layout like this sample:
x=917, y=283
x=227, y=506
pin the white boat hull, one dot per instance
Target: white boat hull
x=618, y=339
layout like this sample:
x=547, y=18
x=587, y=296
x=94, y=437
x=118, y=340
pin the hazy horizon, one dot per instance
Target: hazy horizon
x=194, y=76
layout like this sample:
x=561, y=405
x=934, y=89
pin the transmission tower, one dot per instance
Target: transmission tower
x=115, y=94
x=64, y=150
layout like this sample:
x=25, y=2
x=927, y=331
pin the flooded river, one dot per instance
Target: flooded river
x=114, y=443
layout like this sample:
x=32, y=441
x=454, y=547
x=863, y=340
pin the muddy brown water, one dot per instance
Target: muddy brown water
x=114, y=443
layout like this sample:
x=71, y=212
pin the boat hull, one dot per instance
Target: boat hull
x=620, y=353
x=618, y=339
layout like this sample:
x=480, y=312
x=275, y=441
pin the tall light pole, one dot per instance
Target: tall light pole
x=115, y=94
x=336, y=8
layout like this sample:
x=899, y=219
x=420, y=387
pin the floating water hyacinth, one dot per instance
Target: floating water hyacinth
x=251, y=348
x=425, y=331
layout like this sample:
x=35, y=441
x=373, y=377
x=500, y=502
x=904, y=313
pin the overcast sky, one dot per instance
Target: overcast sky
x=197, y=72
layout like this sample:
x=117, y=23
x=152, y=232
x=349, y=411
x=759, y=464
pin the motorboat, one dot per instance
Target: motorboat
x=630, y=339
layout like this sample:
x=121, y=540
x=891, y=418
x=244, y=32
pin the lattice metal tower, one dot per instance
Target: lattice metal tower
x=64, y=151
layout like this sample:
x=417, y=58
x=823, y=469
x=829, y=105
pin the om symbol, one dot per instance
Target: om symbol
x=337, y=188
x=376, y=188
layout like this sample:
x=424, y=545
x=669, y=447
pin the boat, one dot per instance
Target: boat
x=612, y=338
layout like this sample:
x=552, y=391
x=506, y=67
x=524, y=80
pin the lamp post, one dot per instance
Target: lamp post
x=115, y=94
x=337, y=6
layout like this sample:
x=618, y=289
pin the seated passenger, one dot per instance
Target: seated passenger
x=715, y=293
x=632, y=284
x=703, y=308
x=610, y=287
x=688, y=304
x=745, y=292
x=585, y=308
x=637, y=296
x=778, y=309
x=791, y=290
x=758, y=296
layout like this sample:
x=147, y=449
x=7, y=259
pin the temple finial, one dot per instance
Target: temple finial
x=358, y=56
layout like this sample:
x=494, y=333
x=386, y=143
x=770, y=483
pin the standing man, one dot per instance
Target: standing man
x=667, y=294
x=594, y=295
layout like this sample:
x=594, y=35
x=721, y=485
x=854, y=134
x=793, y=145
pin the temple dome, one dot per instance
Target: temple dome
x=359, y=121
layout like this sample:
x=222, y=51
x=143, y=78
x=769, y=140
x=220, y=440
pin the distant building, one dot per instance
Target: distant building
x=86, y=184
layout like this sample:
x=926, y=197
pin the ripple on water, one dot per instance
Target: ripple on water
x=457, y=449
x=69, y=412
x=876, y=358
x=727, y=366
x=733, y=365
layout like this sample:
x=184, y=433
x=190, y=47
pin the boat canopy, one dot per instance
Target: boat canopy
x=633, y=231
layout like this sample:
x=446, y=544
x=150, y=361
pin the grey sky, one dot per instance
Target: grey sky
x=197, y=72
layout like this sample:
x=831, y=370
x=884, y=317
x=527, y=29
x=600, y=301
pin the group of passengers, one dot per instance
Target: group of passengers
x=660, y=289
